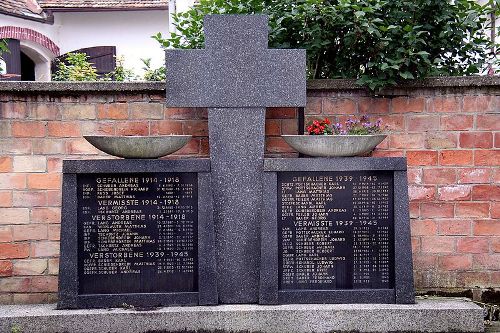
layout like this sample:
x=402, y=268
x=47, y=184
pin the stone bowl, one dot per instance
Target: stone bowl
x=139, y=146
x=334, y=145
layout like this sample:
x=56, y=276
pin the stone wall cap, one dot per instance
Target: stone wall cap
x=159, y=87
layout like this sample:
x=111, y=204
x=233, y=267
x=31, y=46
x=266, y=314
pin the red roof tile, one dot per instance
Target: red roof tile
x=23, y=8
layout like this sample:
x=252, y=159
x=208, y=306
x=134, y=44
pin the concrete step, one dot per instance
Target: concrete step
x=425, y=316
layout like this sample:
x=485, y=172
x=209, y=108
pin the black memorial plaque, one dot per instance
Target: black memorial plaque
x=335, y=230
x=137, y=233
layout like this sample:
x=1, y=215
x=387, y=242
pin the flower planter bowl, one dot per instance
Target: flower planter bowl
x=334, y=145
x=139, y=146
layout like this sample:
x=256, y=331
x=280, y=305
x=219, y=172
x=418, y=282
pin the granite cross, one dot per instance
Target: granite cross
x=236, y=76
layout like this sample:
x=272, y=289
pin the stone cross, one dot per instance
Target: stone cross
x=236, y=76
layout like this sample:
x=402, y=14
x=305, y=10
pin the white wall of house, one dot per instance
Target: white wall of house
x=129, y=31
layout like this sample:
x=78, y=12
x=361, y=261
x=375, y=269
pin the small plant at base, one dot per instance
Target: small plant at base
x=120, y=73
x=353, y=126
x=3, y=49
x=15, y=328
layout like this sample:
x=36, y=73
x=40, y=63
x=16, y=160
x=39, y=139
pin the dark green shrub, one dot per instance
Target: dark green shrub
x=377, y=42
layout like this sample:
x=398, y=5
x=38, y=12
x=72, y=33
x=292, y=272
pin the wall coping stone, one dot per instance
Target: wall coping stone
x=159, y=87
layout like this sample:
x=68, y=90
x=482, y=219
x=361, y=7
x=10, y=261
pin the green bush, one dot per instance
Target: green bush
x=75, y=67
x=377, y=42
x=3, y=49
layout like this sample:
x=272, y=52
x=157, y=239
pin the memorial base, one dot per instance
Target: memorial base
x=425, y=316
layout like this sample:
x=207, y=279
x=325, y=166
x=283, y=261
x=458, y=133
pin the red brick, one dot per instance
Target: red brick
x=30, y=164
x=273, y=127
x=392, y=122
x=441, y=140
x=54, y=164
x=314, y=105
x=281, y=113
x=486, y=261
x=48, y=111
x=29, y=199
x=97, y=128
x=5, y=164
x=486, y=193
x=454, y=227
x=433, y=210
x=80, y=147
x=489, y=122
x=497, y=140
x=16, y=146
x=495, y=210
x=455, y=262
x=482, y=103
x=29, y=129
x=112, y=111
x=423, y=123
x=30, y=267
x=414, y=175
x=473, y=245
x=421, y=193
x=407, y=141
x=39, y=298
x=54, y=232
x=29, y=232
x=46, y=215
x=415, y=244
x=495, y=244
x=414, y=209
x=5, y=199
x=132, y=128
x=422, y=157
x=439, y=176
x=14, y=215
x=44, y=284
x=204, y=147
x=368, y=105
x=476, y=140
x=445, y=104
x=495, y=279
x=145, y=110
x=487, y=157
x=186, y=113
x=64, y=129
x=48, y=147
x=5, y=234
x=472, y=279
x=45, y=249
x=54, y=198
x=277, y=145
x=5, y=268
x=424, y=261
x=456, y=157
x=341, y=106
x=195, y=127
x=14, y=251
x=17, y=285
x=387, y=153
x=487, y=227
x=405, y=104
x=289, y=126
x=54, y=266
x=423, y=227
x=457, y=122
x=473, y=176
x=45, y=181
x=438, y=244
x=454, y=193
x=78, y=111
x=14, y=110
x=472, y=209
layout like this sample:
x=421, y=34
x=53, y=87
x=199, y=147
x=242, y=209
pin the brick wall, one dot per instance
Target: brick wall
x=448, y=130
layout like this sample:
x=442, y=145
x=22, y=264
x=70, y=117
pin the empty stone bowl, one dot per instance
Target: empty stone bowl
x=139, y=146
x=334, y=145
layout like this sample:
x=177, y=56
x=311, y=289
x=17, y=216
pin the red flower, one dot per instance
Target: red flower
x=327, y=121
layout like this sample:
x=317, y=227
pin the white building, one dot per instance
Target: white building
x=41, y=30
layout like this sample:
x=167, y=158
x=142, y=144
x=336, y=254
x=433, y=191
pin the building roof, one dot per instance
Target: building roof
x=103, y=4
x=22, y=8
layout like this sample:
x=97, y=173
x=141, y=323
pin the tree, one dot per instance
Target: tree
x=377, y=42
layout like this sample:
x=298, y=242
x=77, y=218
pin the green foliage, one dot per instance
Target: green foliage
x=120, y=73
x=75, y=67
x=151, y=74
x=3, y=49
x=15, y=328
x=377, y=42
